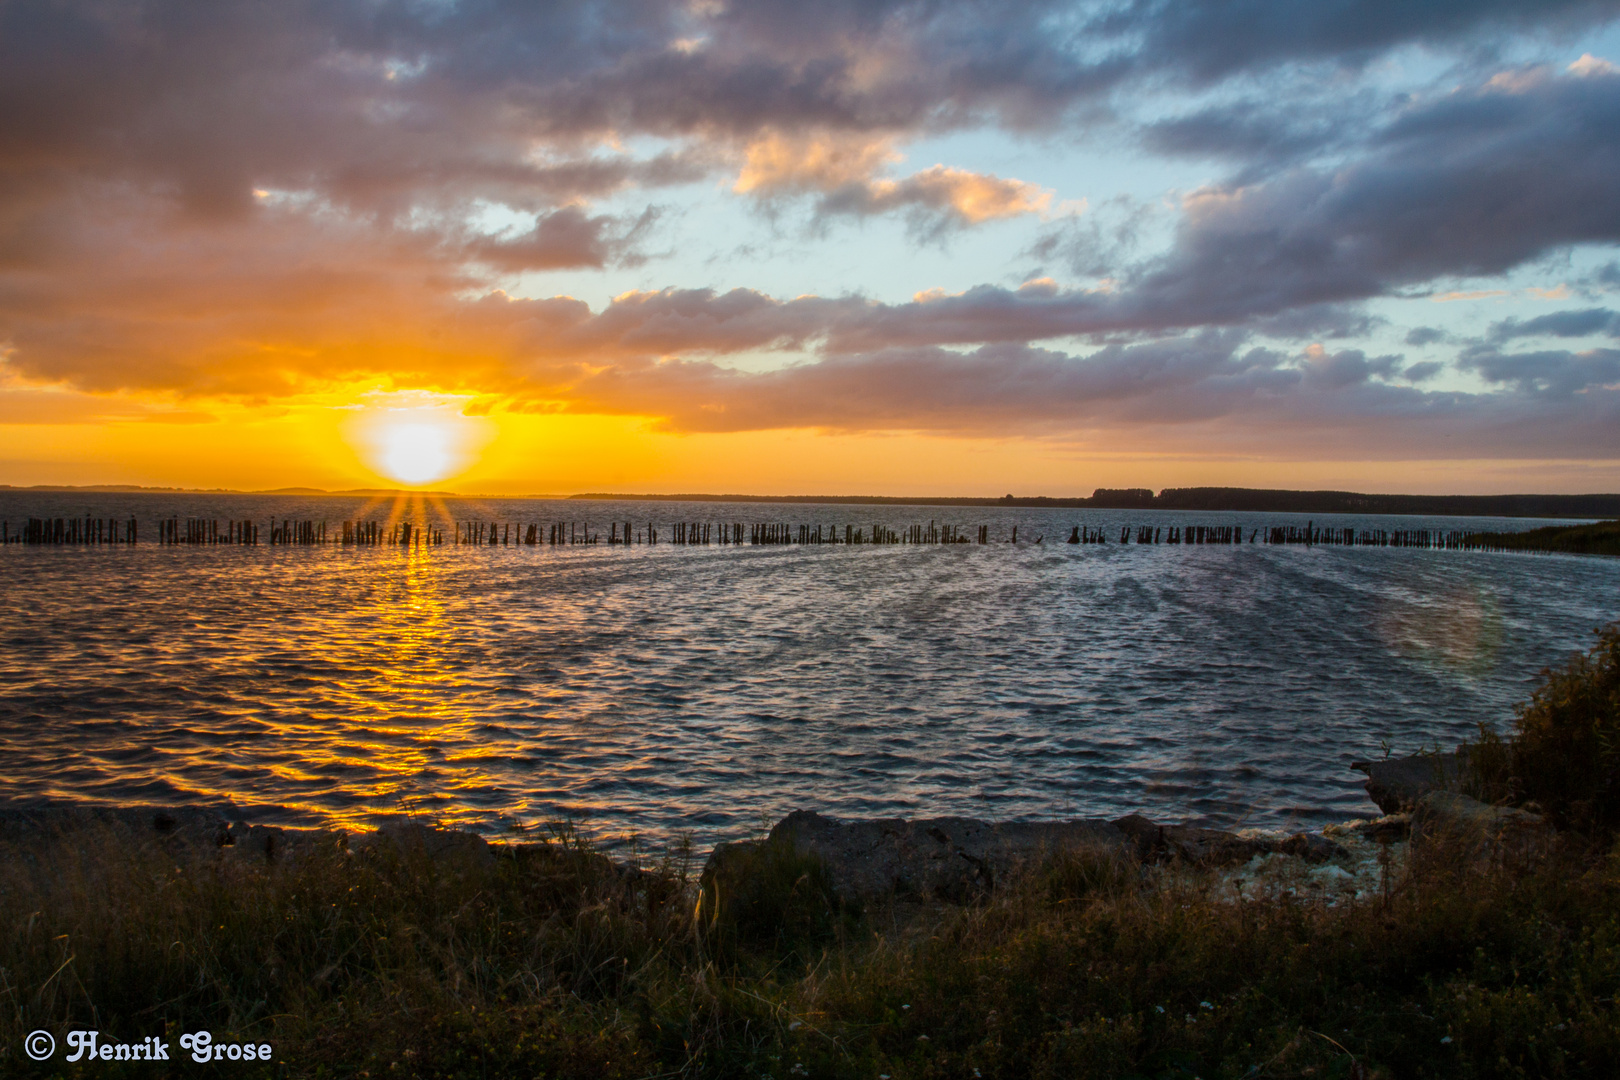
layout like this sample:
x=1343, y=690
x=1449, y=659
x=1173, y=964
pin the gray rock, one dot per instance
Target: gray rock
x=1146, y=836
x=200, y=826
x=1446, y=816
x=1217, y=847
x=954, y=859
x=1311, y=847
x=1396, y=784
x=268, y=843
x=1212, y=847
x=961, y=860
x=451, y=848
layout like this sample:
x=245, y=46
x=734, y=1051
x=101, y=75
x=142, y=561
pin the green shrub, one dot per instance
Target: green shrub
x=1564, y=752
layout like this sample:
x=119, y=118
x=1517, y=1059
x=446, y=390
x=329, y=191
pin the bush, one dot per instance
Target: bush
x=1564, y=752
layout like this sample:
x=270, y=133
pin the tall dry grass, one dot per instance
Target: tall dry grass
x=552, y=963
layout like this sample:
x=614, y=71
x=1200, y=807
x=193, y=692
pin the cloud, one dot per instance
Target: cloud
x=1099, y=242
x=565, y=238
x=1592, y=65
x=843, y=175
x=1559, y=324
x=1425, y=335
x=382, y=105
x=1551, y=373
x=1347, y=367
x=1205, y=42
x=932, y=388
x=949, y=196
x=1471, y=185
x=1455, y=295
x=135, y=254
x=812, y=161
x=1185, y=392
x=1316, y=321
x=1259, y=136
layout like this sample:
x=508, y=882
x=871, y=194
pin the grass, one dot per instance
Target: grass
x=553, y=964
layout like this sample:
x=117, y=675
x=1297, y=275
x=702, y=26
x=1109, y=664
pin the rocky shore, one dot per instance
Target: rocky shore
x=950, y=860
x=934, y=947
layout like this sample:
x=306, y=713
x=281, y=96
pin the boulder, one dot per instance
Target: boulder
x=460, y=851
x=961, y=860
x=954, y=859
x=186, y=826
x=1396, y=784
x=1145, y=836
x=1446, y=816
x=1217, y=847
x=267, y=843
x=1311, y=847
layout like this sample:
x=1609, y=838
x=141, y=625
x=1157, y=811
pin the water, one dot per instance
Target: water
x=661, y=692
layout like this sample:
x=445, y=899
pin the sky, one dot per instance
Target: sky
x=922, y=248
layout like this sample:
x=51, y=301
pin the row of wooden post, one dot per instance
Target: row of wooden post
x=86, y=530
x=205, y=531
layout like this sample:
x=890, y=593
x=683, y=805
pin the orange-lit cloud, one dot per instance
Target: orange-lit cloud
x=265, y=215
x=844, y=174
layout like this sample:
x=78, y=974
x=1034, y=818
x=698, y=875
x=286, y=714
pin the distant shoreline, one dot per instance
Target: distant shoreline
x=1592, y=507
x=1264, y=500
x=139, y=489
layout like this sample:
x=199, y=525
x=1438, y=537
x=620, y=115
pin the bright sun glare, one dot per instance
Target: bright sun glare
x=416, y=453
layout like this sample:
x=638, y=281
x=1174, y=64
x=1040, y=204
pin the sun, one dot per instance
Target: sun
x=416, y=453
x=415, y=437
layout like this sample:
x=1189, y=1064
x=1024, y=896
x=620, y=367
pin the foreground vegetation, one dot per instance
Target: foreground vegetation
x=553, y=963
x=549, y=965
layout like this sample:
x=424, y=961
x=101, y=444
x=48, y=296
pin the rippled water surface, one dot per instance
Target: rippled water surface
x=663, y=691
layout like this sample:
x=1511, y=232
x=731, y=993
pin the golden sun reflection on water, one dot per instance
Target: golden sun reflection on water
x=395, y=702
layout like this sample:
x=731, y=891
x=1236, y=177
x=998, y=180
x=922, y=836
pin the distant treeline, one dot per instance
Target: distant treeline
x=138, y=489
x=1218, y=498
x=1599, y=538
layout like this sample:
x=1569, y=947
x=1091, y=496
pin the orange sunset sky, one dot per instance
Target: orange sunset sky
x=886, y=248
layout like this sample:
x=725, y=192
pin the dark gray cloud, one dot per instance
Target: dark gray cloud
x=1348, y=367
x=1474, y=184
x=1214, y=39
x=1424, y=371
x=1549, y=373
x=1174, y=393
x=565, y=238
x=1317, y=322
x=931, y=388
x=1559, y=324
x=384, y=103
x=1260, y=137
x=1425, y=335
